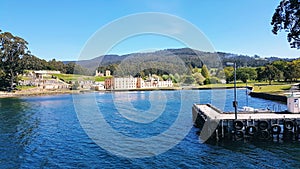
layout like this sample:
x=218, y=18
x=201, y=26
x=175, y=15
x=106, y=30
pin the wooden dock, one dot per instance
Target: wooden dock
x=263, y=125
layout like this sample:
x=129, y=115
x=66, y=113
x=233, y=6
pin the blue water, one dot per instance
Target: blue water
x=46, y=132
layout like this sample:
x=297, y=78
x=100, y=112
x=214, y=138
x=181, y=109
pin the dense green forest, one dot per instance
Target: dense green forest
x=191, y=57
x=31, y=62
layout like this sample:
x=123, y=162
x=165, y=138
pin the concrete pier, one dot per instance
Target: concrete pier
x=263, y=125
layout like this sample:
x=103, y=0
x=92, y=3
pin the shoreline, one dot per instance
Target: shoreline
x=26, y=93
x=43, y=92
x=269, y=96
x=177, y=88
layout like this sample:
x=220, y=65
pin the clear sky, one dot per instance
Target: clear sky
x=60, y=28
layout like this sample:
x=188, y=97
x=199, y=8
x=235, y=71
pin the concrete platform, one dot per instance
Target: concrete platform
x=255, y=125
x=214, y=113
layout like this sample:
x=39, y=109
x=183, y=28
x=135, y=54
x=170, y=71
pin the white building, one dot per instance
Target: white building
x=167, y=83
x=107, y=73
x=98, y=86
x=124, y=83
x=293, y=103
x=40, y=74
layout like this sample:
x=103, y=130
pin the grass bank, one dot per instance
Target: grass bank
x=73, y=77
x=275, y=92
x=274, y=89
x=260, y=87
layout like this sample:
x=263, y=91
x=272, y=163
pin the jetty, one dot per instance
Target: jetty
x=248, y=125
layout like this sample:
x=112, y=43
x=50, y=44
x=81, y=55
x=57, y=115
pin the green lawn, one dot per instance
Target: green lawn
x=276, y=87
x=71, y=77
x=272, y=88
x=25, y=78
x=24, y=87
x=101, y=79
x=222, y=85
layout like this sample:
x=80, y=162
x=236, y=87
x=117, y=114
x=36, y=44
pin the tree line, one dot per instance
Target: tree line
x=191, y=58
x=280, y=70
x=31, y=62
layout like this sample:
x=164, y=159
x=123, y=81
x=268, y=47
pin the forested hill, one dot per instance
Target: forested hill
x=92, y=64
x=191, y=57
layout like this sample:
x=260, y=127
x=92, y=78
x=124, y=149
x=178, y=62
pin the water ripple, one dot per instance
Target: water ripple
x=44, y=132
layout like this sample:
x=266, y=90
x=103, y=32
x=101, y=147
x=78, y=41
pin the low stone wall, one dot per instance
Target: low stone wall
x=269, y=96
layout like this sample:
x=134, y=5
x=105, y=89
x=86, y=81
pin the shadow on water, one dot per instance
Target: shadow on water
x=17, y=127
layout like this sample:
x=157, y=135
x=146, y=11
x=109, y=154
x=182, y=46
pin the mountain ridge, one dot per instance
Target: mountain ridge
x=190, y=56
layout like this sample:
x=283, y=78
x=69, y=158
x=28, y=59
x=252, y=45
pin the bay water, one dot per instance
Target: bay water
x=52, y=132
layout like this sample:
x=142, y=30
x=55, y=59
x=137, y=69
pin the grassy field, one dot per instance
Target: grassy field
x=222, y=85
x=272, y=88
x=71, y=77
x=101, y=79
x=276, y=87
x=24, y=87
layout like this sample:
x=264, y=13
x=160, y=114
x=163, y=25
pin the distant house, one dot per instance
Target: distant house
x=40, y=74
x=98, y=73
x=86, y=84
x=45, y=83
x=152, y=83
x=223, y=81
x=98, y=86
x=53, y=84
x=43, y=79
x=107, y=73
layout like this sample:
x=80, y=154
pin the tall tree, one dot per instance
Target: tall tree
x=12, y=50
x=228, y=71
x=271, y=73
x=198, y=78
x=70, y=68
x=246, y=73
x=282, y=66
x=31, y=62
x=188, y=79
x=260, y=74
x=287, y=17
x=57, y=65
x=292, y=71
x=205, y=72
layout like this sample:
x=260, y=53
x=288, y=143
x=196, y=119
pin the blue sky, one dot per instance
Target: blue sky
x=60, y=29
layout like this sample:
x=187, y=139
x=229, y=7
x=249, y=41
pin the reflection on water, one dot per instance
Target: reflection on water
x=140, y=107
